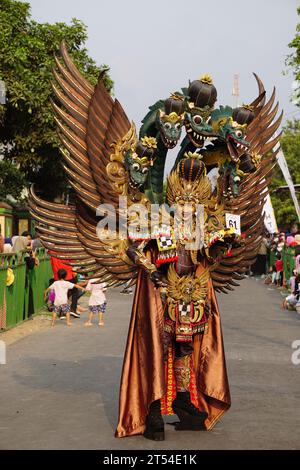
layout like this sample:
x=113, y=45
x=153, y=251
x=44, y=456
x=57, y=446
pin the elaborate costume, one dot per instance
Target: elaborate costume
x=174, y=360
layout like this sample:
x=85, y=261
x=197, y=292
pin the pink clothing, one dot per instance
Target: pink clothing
x=279, y=265
x=292, y=283
x=97, y=292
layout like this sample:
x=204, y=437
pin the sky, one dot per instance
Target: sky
x=154, y=47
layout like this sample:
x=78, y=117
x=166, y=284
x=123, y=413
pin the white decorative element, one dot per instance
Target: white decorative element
x=213, y=176
x=233, y=221
x=287, y=176
x=184, y=309
x=270, y=220
x=2, y=92
x=2, y=352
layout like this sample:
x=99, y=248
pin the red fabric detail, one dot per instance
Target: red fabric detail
x=160, y=261
x=166, y=400
x=59, y=264
x=193, y=388
x=279, y=265
x=170, y=395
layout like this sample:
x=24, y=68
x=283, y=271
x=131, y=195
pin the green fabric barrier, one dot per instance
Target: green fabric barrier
x=15, y=292
x=272, y=258
x=288, y=258
x=26, y=295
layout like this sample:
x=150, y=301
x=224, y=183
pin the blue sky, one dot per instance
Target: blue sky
x=154, y=47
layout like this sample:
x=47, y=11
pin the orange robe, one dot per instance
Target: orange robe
x=143, y=375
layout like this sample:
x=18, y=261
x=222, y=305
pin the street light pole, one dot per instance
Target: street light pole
x=2, y=92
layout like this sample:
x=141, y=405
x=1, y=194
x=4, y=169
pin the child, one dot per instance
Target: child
x=50, y=297
x=97, y=302
x=61, y=287
x=273, y=274
x=279, y=270
x=292, y=299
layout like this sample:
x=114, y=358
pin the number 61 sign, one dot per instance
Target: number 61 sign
x=233, y=221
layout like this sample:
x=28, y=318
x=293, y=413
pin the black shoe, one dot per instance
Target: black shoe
x=190, y=417
x=75, y=314
x=155, y=429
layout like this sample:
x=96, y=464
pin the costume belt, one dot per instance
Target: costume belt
x=185, y=303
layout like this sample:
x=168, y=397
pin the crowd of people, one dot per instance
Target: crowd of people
x=65, y=289
x=277, y=250
x=66, y=286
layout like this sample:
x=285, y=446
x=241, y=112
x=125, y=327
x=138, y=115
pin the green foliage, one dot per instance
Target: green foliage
x=27, y=127
x=12, y=181
x=290, y=142
x=282, y=203
x=293, y=59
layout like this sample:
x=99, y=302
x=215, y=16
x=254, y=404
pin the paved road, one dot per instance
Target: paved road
x=59, y=389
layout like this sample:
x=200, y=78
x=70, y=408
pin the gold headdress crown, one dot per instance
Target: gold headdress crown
x=196, y=155
x=176, y=96
x=248, y=106
x=149, y=142
x=206, y=78
x=172, y=117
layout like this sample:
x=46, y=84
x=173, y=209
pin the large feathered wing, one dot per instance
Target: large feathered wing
x=90, y=122
x=261, y=134
x=69, y=233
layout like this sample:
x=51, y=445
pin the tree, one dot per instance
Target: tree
x=283, y=205
x=27, y=127
x=12, y=181
x=293, y=60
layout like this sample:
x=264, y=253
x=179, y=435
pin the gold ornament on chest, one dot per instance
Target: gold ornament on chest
x=186, y=295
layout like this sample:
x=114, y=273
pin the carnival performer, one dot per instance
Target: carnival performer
x=174, y=353
x=174, y=360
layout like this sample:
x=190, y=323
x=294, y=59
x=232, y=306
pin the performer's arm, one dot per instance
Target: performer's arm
x=136, y=254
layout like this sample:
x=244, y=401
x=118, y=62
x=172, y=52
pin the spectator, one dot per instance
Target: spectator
x=292, y=299
x=36, y=243
x=1, y=242
x=260, y=265
x=7, y=245
x=97, y=301
x=71, y=276
x=297, y=262
x=279, y=270
x=61, y=288
x=126, y=289
x=294, y=229
x=22, y=242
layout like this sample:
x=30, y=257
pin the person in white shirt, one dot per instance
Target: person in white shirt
x=61, y=287
x=97, y=301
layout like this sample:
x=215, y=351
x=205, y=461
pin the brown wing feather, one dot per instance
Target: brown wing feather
x=70, y=233
x=253, y=191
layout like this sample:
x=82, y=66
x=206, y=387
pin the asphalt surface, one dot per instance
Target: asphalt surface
x=59, y=388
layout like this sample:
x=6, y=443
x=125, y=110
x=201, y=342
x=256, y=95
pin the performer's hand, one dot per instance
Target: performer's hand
x=157, y=280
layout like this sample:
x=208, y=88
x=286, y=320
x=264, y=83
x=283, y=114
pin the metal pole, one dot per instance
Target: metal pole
x=2, y=92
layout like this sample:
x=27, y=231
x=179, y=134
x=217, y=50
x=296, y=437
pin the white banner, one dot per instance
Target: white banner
x=270, y=221
x=287, y=176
